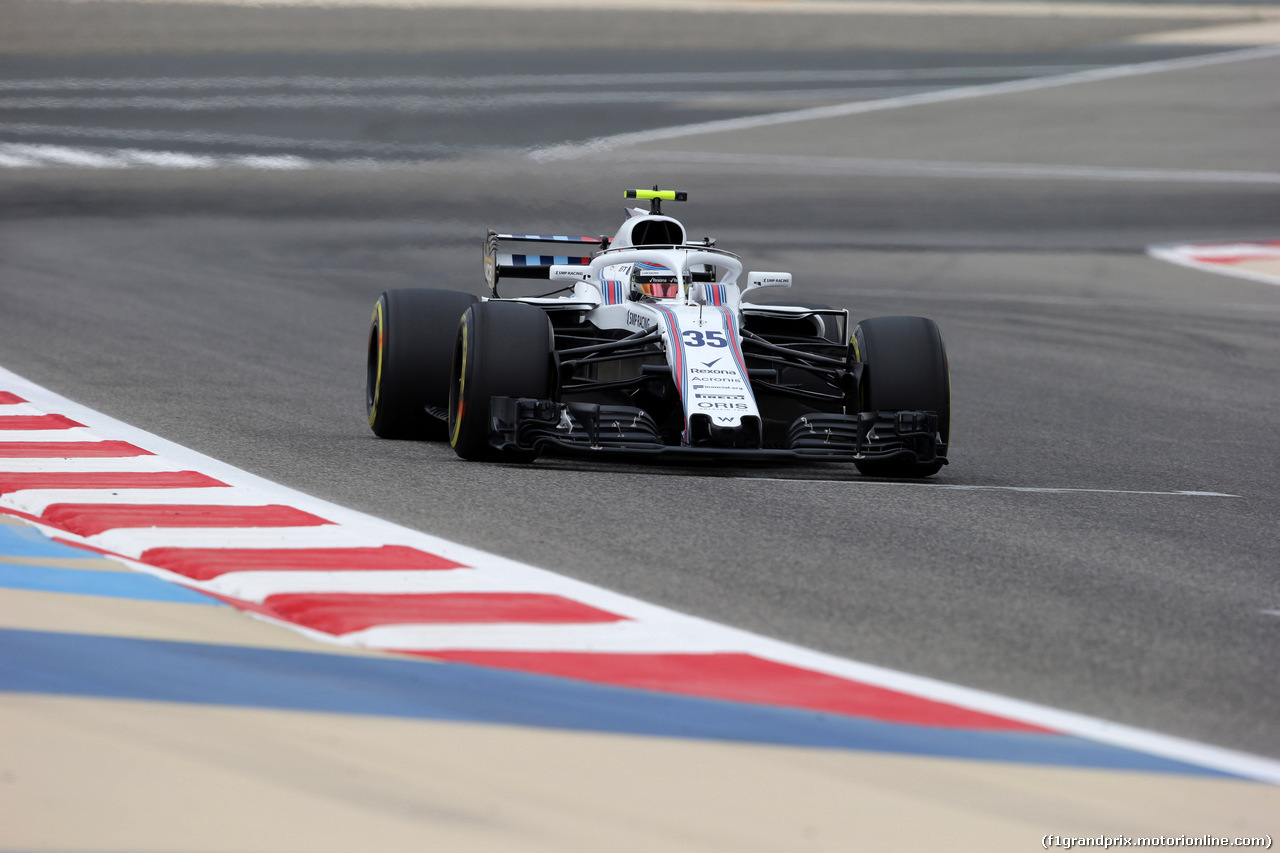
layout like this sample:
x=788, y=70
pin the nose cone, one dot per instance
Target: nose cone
x=704, y=432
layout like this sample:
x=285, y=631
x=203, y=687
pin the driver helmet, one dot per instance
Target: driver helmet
x=654, y=280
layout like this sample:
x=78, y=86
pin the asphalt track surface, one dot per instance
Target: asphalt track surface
x=227, y=310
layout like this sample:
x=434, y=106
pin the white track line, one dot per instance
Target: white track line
x=32, y=156
x=257, y=586
x=140, y=464
x=70, y=434
x=606, y=143
x=415, y=104
x=526, y=81
x=652, y=636
x=954, y=487
x=36, y=501
x=250, y=140
x=134, y=541
x=983, y=8
x=11, y=409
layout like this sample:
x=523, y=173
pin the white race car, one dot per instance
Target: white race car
x=647, y=349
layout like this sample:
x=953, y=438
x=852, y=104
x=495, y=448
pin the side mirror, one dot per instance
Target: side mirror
x=767, y=279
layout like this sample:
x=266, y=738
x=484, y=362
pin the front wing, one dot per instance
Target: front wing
x=589, y=429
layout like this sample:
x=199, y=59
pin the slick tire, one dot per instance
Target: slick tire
x=503, y=349
x=410, y=353
x=906, y=369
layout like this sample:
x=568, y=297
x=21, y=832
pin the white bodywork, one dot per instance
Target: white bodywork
x=700, y=327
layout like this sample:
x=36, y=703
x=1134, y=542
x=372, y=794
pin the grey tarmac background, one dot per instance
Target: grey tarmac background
x=227, y=310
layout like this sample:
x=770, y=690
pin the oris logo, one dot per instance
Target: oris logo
x=709, y=405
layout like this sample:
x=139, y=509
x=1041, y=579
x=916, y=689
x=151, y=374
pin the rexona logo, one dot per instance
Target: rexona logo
x=711, y=363
x=718, y=372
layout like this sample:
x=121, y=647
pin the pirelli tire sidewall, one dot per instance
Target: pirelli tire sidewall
x=503, y=349
x=906, y=370
x=409, y=357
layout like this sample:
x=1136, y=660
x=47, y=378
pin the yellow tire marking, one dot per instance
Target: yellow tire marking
x=377, y=383
x=462, y=389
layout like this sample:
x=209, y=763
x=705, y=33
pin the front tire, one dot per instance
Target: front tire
x=410, y=353
x=503, y=349
x=906, y=370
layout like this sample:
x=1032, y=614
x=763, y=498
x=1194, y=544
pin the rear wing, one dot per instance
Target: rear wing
x=498, y=265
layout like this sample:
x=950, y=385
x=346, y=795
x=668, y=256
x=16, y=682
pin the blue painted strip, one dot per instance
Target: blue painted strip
x=542, y=260
x=545, y=238
x=675, y=356
x=21, y=541
x=108, y=584
x=153, y=670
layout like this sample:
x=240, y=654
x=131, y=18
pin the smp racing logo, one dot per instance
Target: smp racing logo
x=639, y=320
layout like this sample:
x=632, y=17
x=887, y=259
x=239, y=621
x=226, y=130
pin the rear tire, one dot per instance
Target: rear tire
x=503, y=349
x=906, y=370
x=410, y=352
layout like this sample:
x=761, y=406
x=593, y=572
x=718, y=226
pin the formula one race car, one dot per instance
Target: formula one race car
x=648, y=350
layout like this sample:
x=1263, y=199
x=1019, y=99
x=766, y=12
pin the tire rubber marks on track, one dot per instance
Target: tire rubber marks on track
x=371, y=588
x=29, y=156
x=604, y=144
